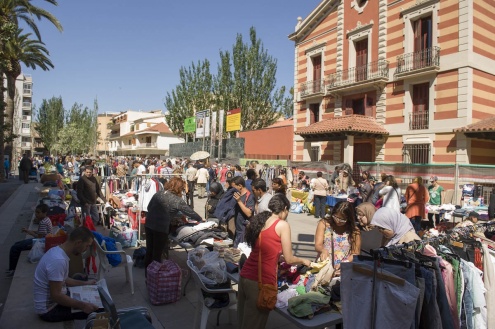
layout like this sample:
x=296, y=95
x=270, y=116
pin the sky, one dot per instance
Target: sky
x=127, y=54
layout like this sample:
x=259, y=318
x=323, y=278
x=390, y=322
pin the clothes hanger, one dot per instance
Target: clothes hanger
x=385, y=277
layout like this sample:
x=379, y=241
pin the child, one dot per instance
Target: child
x=44, y=227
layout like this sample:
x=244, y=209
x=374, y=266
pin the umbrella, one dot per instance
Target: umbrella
x=200, y=155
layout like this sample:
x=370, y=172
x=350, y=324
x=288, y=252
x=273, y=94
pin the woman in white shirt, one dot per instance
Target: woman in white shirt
x=319, y=185
x=390, y=193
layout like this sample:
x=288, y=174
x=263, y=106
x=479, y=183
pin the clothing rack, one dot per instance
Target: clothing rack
x=419, y=244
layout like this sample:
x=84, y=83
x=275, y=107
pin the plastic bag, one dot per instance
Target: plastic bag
x=37, y=251
x=210, y=267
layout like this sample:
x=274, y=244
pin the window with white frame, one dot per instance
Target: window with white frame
x=26, y=125
x=420, y=21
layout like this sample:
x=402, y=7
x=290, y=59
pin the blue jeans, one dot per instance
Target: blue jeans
x=15, y=251
x=320, y=205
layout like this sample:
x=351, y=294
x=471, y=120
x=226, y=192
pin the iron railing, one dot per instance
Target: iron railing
x=419, y=120
x=426, y=58
x=312, y=87
x=370, y=71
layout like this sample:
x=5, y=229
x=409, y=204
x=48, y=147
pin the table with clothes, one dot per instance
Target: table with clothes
x=332, y=200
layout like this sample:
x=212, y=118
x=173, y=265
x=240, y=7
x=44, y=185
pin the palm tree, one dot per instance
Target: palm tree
x=21, y=49
x=11, y=12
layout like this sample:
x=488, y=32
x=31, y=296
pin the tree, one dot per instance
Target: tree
x=11, y=12
x=287, y=108
x=50, y=120
x=251, y=86
x=32, y=53
x=194, y=93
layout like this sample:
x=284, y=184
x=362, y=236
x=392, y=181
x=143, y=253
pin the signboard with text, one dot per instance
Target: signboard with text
x=190, y=125
x=233, y=120
x=203, y=124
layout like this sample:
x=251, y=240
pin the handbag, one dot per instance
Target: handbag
x=267, y=293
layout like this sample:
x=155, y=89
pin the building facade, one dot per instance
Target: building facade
x=104, y=131
x=395, y=81
x=23, y=113
x=140, y=133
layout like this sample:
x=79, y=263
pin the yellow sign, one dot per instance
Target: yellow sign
x=233, y=120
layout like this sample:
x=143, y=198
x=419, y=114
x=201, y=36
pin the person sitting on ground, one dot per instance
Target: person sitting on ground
x=216, y=193
x=51, y=280
x=262, y=198
x=339, y=229
x=44, y=228
x=470, y=221
x=394, y=226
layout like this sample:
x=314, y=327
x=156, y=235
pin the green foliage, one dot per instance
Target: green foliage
x=287, y=108
x=50, y=120
x=245, y=79
x=194, y=93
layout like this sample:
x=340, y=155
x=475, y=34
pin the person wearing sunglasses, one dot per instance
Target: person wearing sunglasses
x=339, y=229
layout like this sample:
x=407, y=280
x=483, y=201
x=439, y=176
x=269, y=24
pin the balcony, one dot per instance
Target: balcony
x=26, y=118
x=312, y=88
x=369, y=111
x=418, y=63
x=26, y=105
x=147, y=145
x=25, y=131
x=27, y=92
x=26, y=144
x=126, y=147
x=359, y=77
x=418, y=120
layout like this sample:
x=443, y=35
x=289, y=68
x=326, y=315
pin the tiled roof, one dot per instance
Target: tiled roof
x=350, y=123
x=160, y=128
x=485, y=125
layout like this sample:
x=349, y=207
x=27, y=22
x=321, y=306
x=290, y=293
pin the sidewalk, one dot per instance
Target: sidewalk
x=19, y=208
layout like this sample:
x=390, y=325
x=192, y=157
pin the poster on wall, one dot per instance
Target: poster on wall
x=203, y=124
x=190, y=125
x=233, y=120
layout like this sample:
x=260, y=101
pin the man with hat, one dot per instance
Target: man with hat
x=435, y=191
x=470, y=221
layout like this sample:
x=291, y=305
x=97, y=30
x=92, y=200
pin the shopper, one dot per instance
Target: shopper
x=491, y=205
x=391, y=193
x=364, y=213
x=6, y=166
x=163, y=207
x=44, y=227
x=243, y=210
x=216, y=193
x=262, y=198
x=394, y=226
x=268, y=233
x=250, y=176
x=319, y=186
x=25, y=167
x=338, y=235
x=191, y=183
x=365, y=188
x=377, y=186
x=202, y=177
x=278, y=186
x=344, y=182
x=416, y=198
x=435, y=192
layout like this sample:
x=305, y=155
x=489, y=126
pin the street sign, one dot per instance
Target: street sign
x=233, y=120
x=190, y=125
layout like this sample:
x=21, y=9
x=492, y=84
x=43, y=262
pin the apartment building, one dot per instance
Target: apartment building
x=23, y=116
x=396, y=81
x=104, y=121
x=140, y=133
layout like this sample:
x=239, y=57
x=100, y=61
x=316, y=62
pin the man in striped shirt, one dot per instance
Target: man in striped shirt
x=44, y=227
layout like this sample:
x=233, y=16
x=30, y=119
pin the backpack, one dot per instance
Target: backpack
x=164, y=282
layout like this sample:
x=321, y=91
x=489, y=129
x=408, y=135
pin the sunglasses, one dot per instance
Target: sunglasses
x=339, y=219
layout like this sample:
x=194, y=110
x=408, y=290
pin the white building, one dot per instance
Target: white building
x=140, y=133
x=23, y=115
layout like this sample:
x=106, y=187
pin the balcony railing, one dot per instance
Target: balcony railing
x=423, y=59
x=26, y=118
x=147, y=145
x=26, y=104
x=369, y=111
x=309, y=88
x=126, y=147
x=25, y=144
x=353, y=75
x=418, y=120
x=26, y=131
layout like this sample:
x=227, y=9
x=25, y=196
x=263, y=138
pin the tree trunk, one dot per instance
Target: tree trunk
x=2, y=126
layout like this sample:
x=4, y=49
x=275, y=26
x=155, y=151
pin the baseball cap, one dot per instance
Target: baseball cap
x=474, y=214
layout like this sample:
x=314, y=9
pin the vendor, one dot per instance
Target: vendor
x=343, y=182
x=470, y=221
x=435, y=191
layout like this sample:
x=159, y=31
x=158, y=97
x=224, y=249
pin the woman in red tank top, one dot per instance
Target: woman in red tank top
x=276, y=239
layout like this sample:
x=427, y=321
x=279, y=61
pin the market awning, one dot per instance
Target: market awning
x=483, y=129
x=340, y=127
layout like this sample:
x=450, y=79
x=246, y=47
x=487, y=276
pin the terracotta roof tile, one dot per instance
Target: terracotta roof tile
x=485, y=125
x=350, y=123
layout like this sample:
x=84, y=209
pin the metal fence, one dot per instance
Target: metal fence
x=451, y=176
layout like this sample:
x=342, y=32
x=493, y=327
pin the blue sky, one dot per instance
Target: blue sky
x=128, y=53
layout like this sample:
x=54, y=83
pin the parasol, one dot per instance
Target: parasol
x=200, y=155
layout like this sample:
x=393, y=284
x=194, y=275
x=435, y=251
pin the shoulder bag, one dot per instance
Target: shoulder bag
x=267, y=293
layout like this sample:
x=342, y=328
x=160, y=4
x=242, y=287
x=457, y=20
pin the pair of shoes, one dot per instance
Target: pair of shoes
x=10, y=274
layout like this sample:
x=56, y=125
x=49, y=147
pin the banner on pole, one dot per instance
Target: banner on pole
x=220, y=132
x=190, y=125
x=233, y=120
x=203, y=124
x=213, y=130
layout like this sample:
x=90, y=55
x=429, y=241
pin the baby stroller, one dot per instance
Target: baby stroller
x=33, y=174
